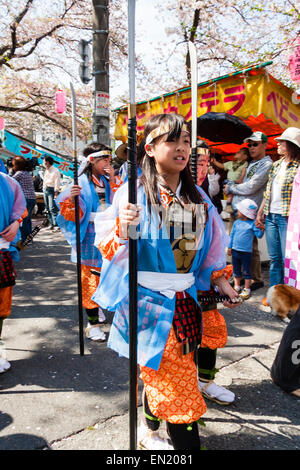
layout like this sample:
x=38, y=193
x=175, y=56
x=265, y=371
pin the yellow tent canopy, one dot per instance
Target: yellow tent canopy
x=252, y=94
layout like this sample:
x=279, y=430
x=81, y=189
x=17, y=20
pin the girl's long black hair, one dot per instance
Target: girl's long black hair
x=150, y=177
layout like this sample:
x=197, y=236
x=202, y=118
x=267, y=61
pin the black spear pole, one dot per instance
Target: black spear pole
x=77, y=224
x=194, y=91
x=132, y=198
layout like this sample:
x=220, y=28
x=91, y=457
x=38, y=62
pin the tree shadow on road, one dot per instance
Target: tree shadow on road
x=19, y=441
x=263, y=417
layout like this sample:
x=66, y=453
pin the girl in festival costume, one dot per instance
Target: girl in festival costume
x=12, y=212
x=95, y=190
x=214, y=326
x=214, y=337
x=181, y=242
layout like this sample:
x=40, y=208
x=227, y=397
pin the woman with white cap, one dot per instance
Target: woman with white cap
x=274, y=209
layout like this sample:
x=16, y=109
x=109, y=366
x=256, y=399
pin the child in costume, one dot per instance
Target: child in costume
x=95, y=189
x=206, y=176
x=214, y=326
x=12, y=212
x=181, y=242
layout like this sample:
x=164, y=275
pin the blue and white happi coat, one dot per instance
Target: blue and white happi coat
x=155, y=310
x=12, y=207
x=89, y=203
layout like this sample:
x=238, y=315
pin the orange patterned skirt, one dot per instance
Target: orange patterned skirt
x=214, y=330
x=214, y=326
x=89, y=284
x=89, y=281
x=172, y=391
x=6, y=294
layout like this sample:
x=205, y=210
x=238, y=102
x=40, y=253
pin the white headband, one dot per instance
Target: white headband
x=99, y=153
x=202, y=151
x=87, y=160
x=164, y=128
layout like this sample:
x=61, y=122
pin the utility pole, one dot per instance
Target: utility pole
x=100, y=128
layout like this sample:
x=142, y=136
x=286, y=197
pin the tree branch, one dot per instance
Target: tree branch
x=13, y=28
x=31, y=109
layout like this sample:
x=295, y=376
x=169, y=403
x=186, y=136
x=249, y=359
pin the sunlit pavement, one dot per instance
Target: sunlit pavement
x=55, y=398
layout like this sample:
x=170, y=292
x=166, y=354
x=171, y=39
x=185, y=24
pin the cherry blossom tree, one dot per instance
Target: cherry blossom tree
x=39, y=50
x=38, y=55
x=231, y=34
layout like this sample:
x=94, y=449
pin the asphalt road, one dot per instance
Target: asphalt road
x=54, y=398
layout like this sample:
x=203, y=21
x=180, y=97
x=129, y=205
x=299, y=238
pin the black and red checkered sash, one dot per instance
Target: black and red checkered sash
x=7, y=271
x=187, y=322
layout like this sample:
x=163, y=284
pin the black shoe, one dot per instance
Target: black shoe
x=256, y=285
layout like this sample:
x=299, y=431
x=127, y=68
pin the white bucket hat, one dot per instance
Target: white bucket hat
x=292, y=134
x=248, y=208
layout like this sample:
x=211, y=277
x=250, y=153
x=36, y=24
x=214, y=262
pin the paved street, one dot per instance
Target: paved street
x=54, y=398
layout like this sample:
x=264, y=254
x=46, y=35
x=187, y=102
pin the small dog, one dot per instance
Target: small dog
x=284, y=300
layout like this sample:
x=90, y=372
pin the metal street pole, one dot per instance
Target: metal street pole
x=77, y=223
x=100, y=72
x=133, y=262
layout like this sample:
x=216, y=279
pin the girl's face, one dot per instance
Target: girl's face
x=170, y=157
x=202, y=168
x=99, y=165
x=282, y=148
x=240, y=156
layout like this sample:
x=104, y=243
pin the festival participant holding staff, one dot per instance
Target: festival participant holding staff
x=181, y=243
x=12, y=212
x=214, y=326
x=95, y=191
